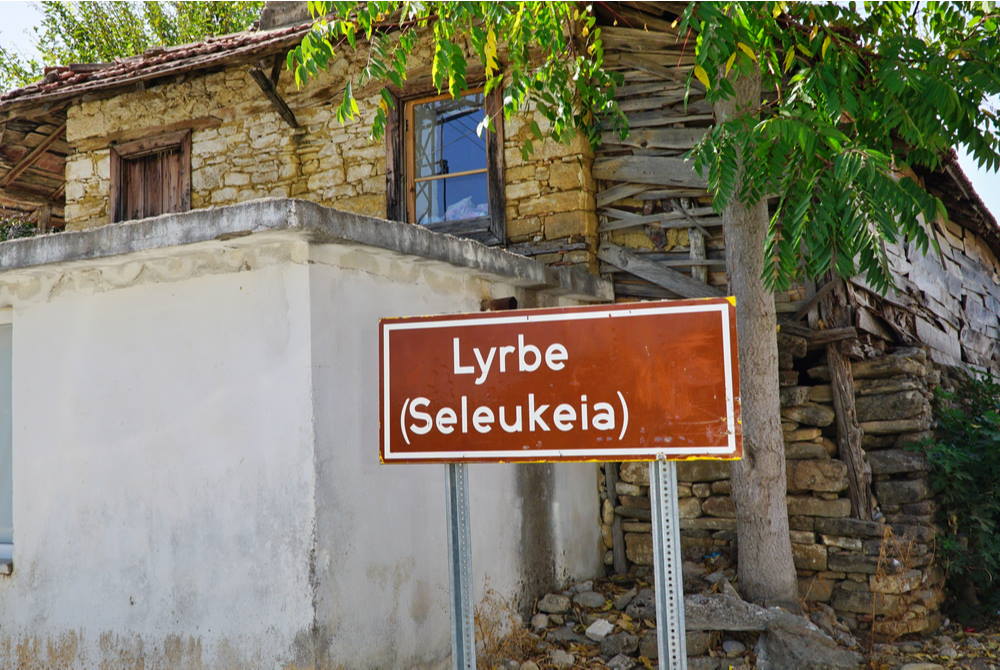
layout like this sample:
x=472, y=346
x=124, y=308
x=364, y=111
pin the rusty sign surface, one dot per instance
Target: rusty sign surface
x=597, y=383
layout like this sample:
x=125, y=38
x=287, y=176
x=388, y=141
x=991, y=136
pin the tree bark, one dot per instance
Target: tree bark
x=766, y=570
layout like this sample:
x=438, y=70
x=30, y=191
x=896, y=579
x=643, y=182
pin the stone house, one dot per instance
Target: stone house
x=219, y=123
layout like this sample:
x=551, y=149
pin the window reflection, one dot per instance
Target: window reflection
x=450, y=182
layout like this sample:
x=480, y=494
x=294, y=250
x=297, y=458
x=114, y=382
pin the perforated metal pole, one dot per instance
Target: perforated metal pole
x=669, y=580
x=463, y=634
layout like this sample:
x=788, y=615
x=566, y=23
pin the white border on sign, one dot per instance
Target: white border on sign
x=727, y=355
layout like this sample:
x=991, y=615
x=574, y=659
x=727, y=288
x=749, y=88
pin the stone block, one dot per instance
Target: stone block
x=638, y=502
x=809, y=414
x=896, y=491
x=816, y=589
x=689, y=508
x=809, y=556
x=626, y=489
x=708, y=523
x=702, y=471
x=891, y=406
x=802, y=536
x=864, y=602
x=810, y=506
x=793, y=395
x=896, y=426
x=821, y=393
x=719, y=506
x=566, y=176
x=523, y=226
x=892, y=461
x=903, y=582
x=556, y=202
x=788, y=377
x=792, y=344
x=635, y=473
x=840, y=542
x=802, y=434
x=900, y=363
x=864, y=387
x=722, y=487
x=565, y=224
x=805, y=450
x=639, y=548
x=817, y=475
x=846, y=561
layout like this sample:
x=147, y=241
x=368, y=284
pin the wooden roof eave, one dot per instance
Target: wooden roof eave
x=59, y=97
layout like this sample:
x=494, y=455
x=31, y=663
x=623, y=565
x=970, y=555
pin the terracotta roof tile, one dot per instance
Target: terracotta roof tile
x=68, y=81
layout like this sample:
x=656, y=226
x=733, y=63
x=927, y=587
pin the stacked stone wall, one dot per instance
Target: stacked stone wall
x=242, y=150
x=877, y=575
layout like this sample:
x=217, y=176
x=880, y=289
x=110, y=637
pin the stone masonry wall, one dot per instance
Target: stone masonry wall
x=876, y=575
x=241, y=150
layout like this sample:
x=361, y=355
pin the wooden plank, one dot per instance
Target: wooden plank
x=649, y=102
x=664, y=193
x=32, y=156
x=496, y=190
x=651, y=271
x=395, y=184
x=825, y=336
x=657, y=119
x=657, y=138
x=618, y=192
x=656, y=170
x=642, y=89
x=835, y=310
x=267, y=86
x=638, y=39
x=622, y=219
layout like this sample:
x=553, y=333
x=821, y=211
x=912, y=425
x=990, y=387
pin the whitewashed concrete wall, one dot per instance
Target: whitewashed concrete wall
x=382, y=542
x=196, y=480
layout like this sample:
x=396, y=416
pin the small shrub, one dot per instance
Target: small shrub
x=965, y=475
x=14, y=228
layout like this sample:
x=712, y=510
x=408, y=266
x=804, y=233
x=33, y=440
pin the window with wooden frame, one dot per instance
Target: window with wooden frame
x=151, y=176
x=443, y=174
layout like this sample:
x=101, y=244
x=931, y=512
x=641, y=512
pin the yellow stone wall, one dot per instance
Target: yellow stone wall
x=241, y=149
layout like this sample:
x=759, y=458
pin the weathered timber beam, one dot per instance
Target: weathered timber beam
x=618, y=192
x=657, y=138
x=651, y=271
x=24, y=195
x=661, y=171
x=814, y=300
x=828, y=335
x=32, y=156
x=276, y=68
x=835, y=310
x=271, y=92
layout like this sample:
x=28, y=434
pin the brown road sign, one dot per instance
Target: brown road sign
x=621, y=382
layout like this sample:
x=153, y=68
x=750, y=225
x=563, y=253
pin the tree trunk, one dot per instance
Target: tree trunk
x=766, y=570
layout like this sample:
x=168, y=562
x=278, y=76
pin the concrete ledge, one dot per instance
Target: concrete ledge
x=320, y=224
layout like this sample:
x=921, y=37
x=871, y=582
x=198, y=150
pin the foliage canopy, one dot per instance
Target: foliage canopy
x=548, y=54
x=860, y=96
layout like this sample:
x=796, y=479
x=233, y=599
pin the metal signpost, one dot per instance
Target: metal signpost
x=654, y=381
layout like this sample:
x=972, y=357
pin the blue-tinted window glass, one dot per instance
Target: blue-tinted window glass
x=452, y=199
x=446, y=149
